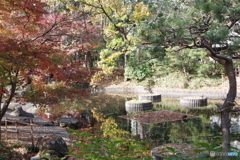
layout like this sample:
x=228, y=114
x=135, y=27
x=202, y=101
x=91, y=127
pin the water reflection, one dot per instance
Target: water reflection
x=190, y=131
x=201, y=129
x=138, y=129
x=235, y=123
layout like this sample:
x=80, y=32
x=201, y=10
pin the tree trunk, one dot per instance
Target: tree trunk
x=125, y=65
x=89, y=60
x=6, y=103
x=125, y=61
x=225, y=124
x=8, y=100
x=227, y=106
x=229, y=102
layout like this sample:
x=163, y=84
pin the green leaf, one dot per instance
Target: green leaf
x=171, y=149
x=182, y=154
x=71, y=148
x=78, y=144
x=234, y=148
x=162, y=152
x=217, y=136
x=205, y=145
x=74, y=131
x=86, y=134
x=203, y=155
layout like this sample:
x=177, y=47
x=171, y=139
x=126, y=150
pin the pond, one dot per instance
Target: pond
x=203, y=128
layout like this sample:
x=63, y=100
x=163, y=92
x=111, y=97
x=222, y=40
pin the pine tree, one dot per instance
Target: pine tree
x=213, y=26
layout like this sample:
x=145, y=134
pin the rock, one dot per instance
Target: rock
x=40, y=121
x=53, y=146
x=35, y=158
x=20, y=112
x=12, y=106
x=28, y=107
x=24, y=119
x=69, y=122
x=88, y=119
x=35, y=120
x=32, y=109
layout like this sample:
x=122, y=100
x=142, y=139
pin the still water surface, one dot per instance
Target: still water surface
x=204, y=128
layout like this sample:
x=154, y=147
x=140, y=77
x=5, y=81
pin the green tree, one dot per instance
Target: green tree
x=190, y=62
x=118, y=19
x=213, y=26
x=137, y=70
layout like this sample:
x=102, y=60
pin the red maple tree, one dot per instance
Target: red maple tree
x=31, y=45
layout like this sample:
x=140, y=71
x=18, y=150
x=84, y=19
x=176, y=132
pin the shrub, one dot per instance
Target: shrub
x=138, y=72
x=106, y=149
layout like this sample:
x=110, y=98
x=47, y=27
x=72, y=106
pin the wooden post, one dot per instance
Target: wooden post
x=6, y=131
x=31, y=125
x=16, y=126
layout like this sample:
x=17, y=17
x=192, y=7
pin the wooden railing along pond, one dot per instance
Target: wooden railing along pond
x=15, y=131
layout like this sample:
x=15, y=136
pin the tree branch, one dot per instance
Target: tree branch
x=235, y=110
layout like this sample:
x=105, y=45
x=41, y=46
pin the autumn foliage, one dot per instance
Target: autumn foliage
x=35, y=43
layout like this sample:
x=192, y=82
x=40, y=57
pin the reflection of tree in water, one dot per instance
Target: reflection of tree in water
x=207, y=112
x=192, y=131
x=160, y=130
x=156, y=134
x=110, y=105
x=138, y=130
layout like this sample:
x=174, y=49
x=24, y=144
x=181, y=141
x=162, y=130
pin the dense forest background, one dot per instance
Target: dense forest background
x=151, y=41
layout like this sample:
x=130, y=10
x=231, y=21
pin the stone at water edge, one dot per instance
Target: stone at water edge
x=28, y=107
x=35, y=120
x=35, y=158
x=25, y=119
x=43, y=122
x=88, y=118
x=20, y=112
x=52, y=145
x=69, y=122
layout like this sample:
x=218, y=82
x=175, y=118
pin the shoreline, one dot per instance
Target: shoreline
x=165, y=93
